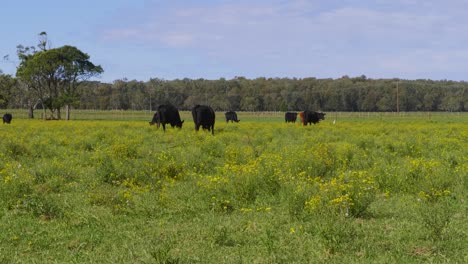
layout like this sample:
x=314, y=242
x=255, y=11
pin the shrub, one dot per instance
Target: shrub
x=350, y=194
x=43, y=205
x=16, y=183
x=119, y=201
x=15, y=149
x=337, y=233
x=436, y=210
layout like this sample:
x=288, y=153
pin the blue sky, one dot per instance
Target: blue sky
x=212, y=39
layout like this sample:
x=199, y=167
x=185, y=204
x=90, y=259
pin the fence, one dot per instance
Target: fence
x=145, y=115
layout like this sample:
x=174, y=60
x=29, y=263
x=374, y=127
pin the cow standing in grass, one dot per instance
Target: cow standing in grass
x=167, y=114
x=203, y=116
x=290, y=117
x=312, y=117
x=7, y=118
x=231, y=116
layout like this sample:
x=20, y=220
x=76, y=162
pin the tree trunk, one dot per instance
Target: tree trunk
x=31, y=111
x=59, y=116
x=67, y=112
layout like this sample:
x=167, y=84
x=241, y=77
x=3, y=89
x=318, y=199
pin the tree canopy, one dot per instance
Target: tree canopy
x=279, y=94
x=53, y=75
x=269, y=94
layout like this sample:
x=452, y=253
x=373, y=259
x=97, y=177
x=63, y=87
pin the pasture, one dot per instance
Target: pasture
x=371, y=188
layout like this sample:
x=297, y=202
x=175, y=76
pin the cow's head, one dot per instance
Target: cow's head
x=321, y=116
x=179, y=125
x=155, y=119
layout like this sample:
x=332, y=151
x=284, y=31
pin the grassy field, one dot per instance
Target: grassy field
x=371, y=188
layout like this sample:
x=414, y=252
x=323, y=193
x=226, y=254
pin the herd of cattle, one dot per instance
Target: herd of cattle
x=307, y=117
x=204, y=116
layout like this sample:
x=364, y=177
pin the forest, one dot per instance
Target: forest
x=261, y=94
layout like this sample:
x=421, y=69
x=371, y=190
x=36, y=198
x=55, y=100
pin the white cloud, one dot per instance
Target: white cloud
x=285, y=36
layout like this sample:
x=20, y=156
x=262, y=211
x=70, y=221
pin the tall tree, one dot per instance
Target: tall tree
x=73, y=69
x=29, y=88
x=55, y=74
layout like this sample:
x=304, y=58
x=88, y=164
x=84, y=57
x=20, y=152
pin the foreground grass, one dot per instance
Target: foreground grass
x=380, y=190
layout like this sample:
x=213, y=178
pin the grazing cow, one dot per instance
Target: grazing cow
x=312, y=117
x=155, y=119
x=7, y=118
x=290, y=117
x=203, y=116
x=167, y=114
x=231, y=116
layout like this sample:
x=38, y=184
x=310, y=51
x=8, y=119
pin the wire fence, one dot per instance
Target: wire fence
x=145, y=115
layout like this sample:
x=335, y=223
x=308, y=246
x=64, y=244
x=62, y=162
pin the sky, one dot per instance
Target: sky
x=212, y=39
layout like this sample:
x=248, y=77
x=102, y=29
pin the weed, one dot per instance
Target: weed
x=161, y=252
x=337, y=233
x=436, y=215
x=223, y=238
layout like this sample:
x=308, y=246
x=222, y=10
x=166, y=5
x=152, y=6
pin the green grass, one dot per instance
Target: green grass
x=368, y=189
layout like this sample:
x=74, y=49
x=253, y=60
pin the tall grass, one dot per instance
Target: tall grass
x=370, y=189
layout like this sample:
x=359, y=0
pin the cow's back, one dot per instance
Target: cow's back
x=7, y=118
x=290, y=117
x=231, y=116
x=312, y=117
x=169, y=114
x=203, y=116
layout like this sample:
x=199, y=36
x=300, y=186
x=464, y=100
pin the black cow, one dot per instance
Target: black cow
x=313, y=117
x=203, y=116
x=231, y=116
x=290, y=117
x=7, y=118
x=155, y=119
x=167, y=114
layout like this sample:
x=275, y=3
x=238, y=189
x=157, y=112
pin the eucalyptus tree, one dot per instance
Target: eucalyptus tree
x=55, y=74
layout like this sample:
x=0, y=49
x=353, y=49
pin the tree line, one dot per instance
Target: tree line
x=260, y=94
x=279, y=94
